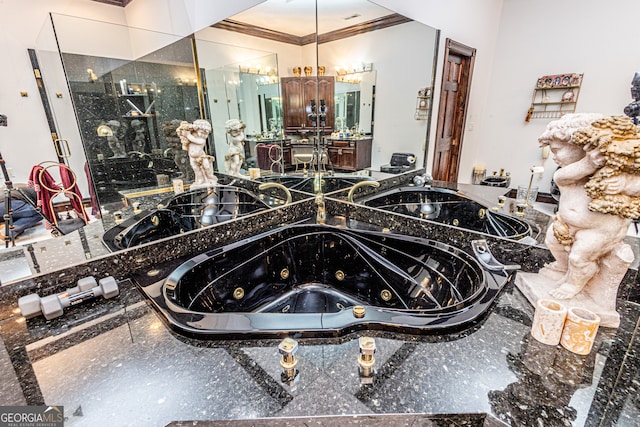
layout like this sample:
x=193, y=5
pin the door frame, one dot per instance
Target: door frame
x=468, y=55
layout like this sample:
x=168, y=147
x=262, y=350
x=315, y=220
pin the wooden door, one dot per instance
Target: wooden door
x=456, y=83
x=292, y=103
x=310, y=89
x=326, y=90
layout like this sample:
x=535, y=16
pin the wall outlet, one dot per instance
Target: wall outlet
x=10, y=172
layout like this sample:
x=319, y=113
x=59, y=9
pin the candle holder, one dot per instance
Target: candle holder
x=527, y=197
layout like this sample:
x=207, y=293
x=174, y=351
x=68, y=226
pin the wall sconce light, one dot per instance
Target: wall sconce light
x=104, y=130
x=92, y=76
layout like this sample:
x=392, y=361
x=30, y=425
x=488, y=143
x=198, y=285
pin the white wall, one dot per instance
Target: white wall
x=473, y=23
x=391, y=50
x=516, y=41
x=550, y=37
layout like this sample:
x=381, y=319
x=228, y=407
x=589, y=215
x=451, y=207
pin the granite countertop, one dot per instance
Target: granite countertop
x=114, y=362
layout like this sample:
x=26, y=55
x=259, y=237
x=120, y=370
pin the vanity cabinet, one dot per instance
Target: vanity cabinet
x=297, y=93
x=349, y=154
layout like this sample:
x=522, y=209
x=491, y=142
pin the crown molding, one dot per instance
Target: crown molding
x=265, y=33
x=121, y=3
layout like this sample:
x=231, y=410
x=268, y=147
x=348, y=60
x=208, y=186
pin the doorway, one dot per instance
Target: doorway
x=456, y=84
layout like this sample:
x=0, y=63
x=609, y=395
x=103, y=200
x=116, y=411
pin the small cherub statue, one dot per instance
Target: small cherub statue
x=114, y=140
x=235, y=155
x=599, y=182
x=140, y=138
x=180, y=156
x=194, y=137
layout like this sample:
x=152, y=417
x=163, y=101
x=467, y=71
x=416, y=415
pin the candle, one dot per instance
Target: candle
x=580, y=329
x=548, y=321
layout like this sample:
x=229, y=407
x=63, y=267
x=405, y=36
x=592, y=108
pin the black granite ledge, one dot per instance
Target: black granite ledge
x=492, y=369
x=530, y=257
x=121, y=264
x=390, y=420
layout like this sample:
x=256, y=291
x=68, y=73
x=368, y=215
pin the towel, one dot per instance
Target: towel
x=71, y=190
x=37, y=177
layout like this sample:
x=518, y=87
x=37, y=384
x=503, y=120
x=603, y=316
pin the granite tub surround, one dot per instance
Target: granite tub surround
x=119, y=365
x=116, y=360
x=395, y=420
x=123, y=263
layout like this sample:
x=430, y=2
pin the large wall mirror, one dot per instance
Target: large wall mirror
x=144, y=80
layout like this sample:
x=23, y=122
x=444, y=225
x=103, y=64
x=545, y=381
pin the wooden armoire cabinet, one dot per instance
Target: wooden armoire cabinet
x=297, y=94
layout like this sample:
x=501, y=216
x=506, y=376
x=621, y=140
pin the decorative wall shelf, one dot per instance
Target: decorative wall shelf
x=554, y=96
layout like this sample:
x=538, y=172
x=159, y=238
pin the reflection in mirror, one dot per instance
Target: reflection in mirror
x=354, y=103
x=449, y=207
x=125, y=105
x=248, y=91
x=163, y=65
x=357, y=40
x=384, y=44
x=185, y=212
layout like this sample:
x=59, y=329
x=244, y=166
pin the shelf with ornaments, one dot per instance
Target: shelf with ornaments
x=554, y=96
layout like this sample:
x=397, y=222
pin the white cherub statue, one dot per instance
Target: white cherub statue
x=235, y=155
x=599, y=182
x=194, y=137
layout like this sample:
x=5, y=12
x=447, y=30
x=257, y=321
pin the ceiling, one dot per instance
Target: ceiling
x=296, y=17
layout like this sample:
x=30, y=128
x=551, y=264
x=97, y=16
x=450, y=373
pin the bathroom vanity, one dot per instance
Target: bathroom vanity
x=476, y=372
x=350, y=154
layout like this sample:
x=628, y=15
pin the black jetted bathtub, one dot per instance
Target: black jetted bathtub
x=315, y=280
x=448, y=207
x=184, y=212
x=328, y=183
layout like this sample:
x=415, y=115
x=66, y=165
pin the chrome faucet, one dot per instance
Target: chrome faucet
x=374, y=184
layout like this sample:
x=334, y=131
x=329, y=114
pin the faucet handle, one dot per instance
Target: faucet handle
x=423, y=180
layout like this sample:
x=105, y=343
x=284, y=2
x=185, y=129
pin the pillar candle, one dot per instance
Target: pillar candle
x=580, y=329
x=548, y=321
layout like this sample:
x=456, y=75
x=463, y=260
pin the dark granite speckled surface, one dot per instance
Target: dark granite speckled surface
x=114, y=362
